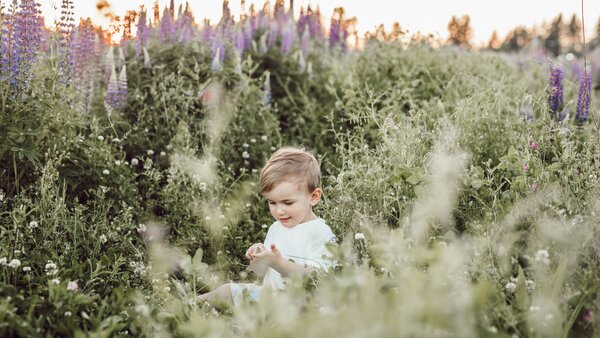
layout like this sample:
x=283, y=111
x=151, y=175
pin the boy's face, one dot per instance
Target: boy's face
x=291, y=204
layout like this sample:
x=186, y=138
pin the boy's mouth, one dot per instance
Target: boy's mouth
x=284, y=219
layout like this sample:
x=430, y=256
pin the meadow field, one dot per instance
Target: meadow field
x=462, y=185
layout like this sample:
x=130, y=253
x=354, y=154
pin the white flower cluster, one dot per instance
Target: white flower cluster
x=33, y=225
x=542, y=256
x=141, y=228
x=14, y=263
x=139, y=268
x=51, y=268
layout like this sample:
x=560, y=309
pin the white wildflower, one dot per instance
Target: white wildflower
x=26, y=268
x=252, y=140
x=117, y=163
x=202, y=186
x=264, y=138
x=542, y=256
x=105, y=172
x=3, y=261
x=55, y=281
x=264, y=226
x=103, y=239
x=510, y=287
x=134, y=161
x=530, y=285
x=33, y=225
x=141, y=228
x=245, y=145
x=100, y=138
x=150, y=152
x=50, y=268
x=167, y=289
x=359, y=236
x=116, y=140
x=142, y=309
x=15, y=263
x=163, y=154
x=68, y=313
x=245, y=154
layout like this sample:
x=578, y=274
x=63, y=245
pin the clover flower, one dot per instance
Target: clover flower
x=14, y=263
x=583, y=98
x=3, y=261
x=55, y=281
x=72, y=286
x=555, y=91
x=33, y=225
x=359, y=236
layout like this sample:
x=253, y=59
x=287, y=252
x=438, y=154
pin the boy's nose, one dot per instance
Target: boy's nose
x=280, y=211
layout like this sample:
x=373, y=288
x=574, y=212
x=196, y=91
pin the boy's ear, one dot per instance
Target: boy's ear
x=315, y=196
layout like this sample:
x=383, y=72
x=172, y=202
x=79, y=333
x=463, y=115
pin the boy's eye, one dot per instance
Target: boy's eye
x=288, y=203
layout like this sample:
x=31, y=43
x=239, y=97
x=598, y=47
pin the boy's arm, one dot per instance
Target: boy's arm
x=275, y=260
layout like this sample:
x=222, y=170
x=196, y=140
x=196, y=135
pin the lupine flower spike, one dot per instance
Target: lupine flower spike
x=583, y=98
x=555, y=91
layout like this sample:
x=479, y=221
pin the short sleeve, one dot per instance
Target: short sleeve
x=317, y=253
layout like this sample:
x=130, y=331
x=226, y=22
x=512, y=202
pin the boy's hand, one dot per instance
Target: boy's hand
x=254, y=249
x=268, y=257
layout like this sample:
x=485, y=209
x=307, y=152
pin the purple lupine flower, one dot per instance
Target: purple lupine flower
x=27, y=39
x=218, y=46
x=238, y=41
x=7, y=65
x=216, y=61
x=334, y=33
x=555, y=91
x=116, y=90
x=84, y=52
x=207, y=33
x=305, y=43
x=583, y=98
x=167, y=27
x=288, y=37
x=273, y=32
x=248, y=34
x=185, y=27
x=65, y=27
x=315, y=26
x=142, y=33
x=109, y=63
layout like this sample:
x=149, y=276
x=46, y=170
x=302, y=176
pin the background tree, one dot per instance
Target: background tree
x=517, y=39
x=553, y=35
x=494, y=42
x=460, y=31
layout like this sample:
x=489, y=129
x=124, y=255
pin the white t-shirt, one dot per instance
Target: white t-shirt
x=303, y=244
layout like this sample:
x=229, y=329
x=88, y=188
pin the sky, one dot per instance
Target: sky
x=425, y=16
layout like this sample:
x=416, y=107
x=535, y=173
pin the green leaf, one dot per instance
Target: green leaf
x=521, y=298
x=476, y=184
x=556, y=166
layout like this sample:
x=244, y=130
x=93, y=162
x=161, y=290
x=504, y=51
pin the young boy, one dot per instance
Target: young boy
x=295, y=242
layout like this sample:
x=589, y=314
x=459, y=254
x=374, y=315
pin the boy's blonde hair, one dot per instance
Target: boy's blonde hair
x=295, y=164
